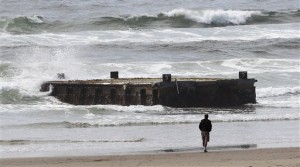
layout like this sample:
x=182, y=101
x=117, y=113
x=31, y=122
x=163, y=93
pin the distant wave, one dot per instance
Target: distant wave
x=278, y=97
x=153, y=36
x=263, y=65
x=186, y=18
x=176, y=18
x=160, y=120
x=281, y=91
x=25, y=142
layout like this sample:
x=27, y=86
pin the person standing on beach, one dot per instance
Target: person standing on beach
x=205, y=127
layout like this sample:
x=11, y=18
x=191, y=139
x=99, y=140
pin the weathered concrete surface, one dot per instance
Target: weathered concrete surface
x=175, y=92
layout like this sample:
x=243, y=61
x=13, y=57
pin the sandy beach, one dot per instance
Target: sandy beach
x=254, y=157
x=211, y=40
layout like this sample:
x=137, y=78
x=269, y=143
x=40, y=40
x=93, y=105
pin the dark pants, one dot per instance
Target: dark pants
x=205, y=138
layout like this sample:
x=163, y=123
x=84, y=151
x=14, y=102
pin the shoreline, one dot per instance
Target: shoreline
x=250, y=157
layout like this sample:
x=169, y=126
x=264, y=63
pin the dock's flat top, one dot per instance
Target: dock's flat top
x=132, y=80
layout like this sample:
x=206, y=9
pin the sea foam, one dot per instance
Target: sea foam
x=216, y=17
x=155, y=36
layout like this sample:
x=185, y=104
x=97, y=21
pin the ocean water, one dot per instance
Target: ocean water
x=139, y=38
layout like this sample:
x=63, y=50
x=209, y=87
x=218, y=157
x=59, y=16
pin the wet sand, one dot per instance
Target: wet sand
x=252, y=157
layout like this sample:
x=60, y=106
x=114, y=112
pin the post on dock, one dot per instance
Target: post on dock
x=243, y=75
x=166, y=77
x=114, y=74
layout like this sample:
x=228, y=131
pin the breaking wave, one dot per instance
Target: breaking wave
x=185, y=18
x=214, y=17
x=22, y=24
x=15, y=95
x=8, y=70
x=9, y=96
x=176, y=18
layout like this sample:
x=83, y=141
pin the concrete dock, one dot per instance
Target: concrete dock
x=167, y=91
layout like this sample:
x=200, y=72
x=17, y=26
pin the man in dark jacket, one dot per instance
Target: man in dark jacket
x=205, y=127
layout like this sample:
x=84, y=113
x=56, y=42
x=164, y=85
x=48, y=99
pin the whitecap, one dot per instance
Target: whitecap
x=218, y=17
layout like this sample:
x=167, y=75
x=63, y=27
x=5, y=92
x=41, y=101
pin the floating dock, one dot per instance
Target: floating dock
x=166, y=91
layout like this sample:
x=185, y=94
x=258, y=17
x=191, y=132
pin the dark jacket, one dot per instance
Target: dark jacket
x=205, y=125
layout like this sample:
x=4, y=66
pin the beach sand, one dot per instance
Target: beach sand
x=248, y=158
